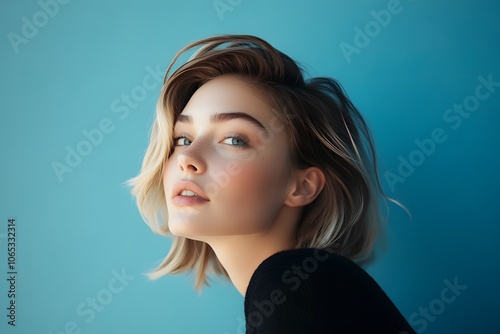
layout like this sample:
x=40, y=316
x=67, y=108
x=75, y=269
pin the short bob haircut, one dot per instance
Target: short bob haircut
x=324, y=129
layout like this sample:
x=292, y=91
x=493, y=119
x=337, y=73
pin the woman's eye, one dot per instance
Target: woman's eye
x=181, y=141
x=235, y=141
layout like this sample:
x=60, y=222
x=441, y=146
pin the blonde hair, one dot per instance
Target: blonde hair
x=324, y=128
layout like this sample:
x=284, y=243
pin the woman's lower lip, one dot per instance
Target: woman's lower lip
x=188, y=200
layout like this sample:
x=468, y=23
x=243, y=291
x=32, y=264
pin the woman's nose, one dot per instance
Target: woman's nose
x=191, y=160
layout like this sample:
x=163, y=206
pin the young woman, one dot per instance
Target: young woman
x=270, y=180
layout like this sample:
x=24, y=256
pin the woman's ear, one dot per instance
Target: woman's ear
x=306, y=185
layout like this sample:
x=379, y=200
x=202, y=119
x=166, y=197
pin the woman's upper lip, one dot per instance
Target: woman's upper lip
x=188, y=185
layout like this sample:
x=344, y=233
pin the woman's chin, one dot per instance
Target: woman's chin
x=186, y=230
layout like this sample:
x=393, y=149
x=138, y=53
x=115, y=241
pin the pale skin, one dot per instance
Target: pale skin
x=254, y=198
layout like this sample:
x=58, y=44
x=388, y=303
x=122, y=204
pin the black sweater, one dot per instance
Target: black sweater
x=312, y=291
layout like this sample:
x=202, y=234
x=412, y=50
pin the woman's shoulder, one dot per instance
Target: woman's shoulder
x=310, y=276
x=318, y=289
x=291, y=268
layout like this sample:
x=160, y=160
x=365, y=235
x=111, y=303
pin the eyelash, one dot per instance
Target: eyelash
x=177, y=138
x=237, y=137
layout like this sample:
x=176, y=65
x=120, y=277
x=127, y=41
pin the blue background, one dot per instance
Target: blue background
x=76, y=232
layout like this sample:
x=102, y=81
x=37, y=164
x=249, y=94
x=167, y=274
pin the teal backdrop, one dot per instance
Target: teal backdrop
x=79, y=83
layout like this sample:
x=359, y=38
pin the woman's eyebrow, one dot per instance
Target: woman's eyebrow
x=222, y=117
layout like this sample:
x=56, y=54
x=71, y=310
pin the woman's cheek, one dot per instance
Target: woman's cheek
x=254, y=179
x=171, y=172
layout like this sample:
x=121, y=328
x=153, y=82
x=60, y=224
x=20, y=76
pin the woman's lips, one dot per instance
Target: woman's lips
x=188, y=193
x=188, y=200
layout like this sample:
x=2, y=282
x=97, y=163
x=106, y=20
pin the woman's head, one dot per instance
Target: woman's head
x=268, y=152
x=231, y=150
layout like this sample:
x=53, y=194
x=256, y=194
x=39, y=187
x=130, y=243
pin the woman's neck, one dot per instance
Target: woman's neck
x=241, y=255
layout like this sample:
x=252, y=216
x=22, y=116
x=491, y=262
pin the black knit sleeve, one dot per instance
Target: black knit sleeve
x=312, y=291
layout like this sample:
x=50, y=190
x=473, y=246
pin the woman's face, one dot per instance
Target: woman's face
x=231, y=151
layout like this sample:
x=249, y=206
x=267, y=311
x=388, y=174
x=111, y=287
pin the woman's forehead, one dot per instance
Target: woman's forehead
x=229, y=94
